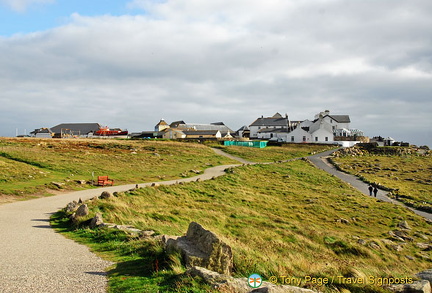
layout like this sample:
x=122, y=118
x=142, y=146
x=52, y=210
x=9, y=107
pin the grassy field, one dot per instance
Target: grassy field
x=29, y=166
x=407, y=175
x=286, y=219
x=274, y=153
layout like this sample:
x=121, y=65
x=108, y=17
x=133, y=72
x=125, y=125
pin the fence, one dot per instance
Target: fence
x=253, y=144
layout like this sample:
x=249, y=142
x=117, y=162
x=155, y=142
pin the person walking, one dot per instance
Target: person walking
x=375, y=190
x=370, y=189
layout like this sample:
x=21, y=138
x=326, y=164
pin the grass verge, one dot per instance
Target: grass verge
x=287, y=219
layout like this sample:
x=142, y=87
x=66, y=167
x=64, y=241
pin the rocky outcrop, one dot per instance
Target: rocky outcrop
x=82, y=211
x=202, y=248
x=422, y=286
x=224, y=283
x=105, y=195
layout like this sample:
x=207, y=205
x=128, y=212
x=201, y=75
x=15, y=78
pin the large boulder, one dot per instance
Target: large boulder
x=96, y=221
x=224, y=283
x=82, y=211
x=203, y=248
x=425, y=275
x=422, y=286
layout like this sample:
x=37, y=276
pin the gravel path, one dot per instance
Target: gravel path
x=34, y=258
x=320, y=161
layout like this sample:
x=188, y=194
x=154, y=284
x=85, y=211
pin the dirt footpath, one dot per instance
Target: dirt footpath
x=34, y=258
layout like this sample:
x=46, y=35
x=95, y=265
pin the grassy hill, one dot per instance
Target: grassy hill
x=403, y=171
x=284, y=219
x=30, y=166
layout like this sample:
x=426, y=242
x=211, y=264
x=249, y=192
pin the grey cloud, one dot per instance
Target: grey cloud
x=370, y=60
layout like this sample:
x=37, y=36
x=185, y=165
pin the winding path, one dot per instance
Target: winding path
x=320, y=161
x=34, y=258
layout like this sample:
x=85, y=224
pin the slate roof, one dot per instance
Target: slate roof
x=76, y=128
x=269, y=122
x=273, y=130
x=341, y=118
x=201, y=132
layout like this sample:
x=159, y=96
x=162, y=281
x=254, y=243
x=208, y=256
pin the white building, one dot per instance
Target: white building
x=323, y=129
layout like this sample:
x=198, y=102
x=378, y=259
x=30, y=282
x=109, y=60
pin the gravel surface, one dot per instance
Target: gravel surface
x=320, y=161
x=34, y=258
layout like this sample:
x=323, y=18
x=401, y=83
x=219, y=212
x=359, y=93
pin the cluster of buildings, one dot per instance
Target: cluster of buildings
x=324, y=128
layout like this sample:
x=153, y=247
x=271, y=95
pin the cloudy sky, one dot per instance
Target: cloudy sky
x=128, y=63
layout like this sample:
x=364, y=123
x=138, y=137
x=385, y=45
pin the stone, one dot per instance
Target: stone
x=424, y=246
x=70, y=207
x=203, y=248
x=374, y=245
x=404, y=225
x=422, y=286
x=154, y=184
x=105, y=195
x=224, y=283
x=82, y=211
x=425, y=275
x=96, y=221
x=58, y=184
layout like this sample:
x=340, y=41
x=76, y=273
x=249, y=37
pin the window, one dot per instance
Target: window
x=326, y=138
x=316, y=138
x=292, y=138
x=304, y=138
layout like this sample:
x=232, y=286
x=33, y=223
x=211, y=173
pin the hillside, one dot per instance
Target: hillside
x=30, y=167
x=284, y=219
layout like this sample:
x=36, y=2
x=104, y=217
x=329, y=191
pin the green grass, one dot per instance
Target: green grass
x=28, y=166
x=275, y=153
x=280, y=219
x=410, y=174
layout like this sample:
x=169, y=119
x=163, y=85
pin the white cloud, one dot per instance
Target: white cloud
x=229, y=61
x=22, y=5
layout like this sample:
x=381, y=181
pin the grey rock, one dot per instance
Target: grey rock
x=203, y=248
x=58, y=184
x=425, y=275
x=224, y=283
x=72, y=206
x=404, y=225
x=105, y=195
x=96, y=221
x=82, y=211
x=422, y=286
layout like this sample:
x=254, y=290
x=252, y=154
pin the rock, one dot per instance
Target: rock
x=127, y=228
x=224, y=283
x=374, y=245
x=361, y=242
x=203, y=248
x=96, y=221
x=154, y=184
x=105, y=195
x=82, y=211
x=424, y=246
x=404, y=225
x=80, y=201
x=342, y=221
x=82, y=182
x=72, y=206
x=425, y=275
x=422, y=286
x=148, y=233
x=58, y=184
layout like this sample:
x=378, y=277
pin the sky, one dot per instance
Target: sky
x=129, y=63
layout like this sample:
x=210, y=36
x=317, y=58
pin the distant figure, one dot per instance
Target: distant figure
x=375, y=191
x=370, y=189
